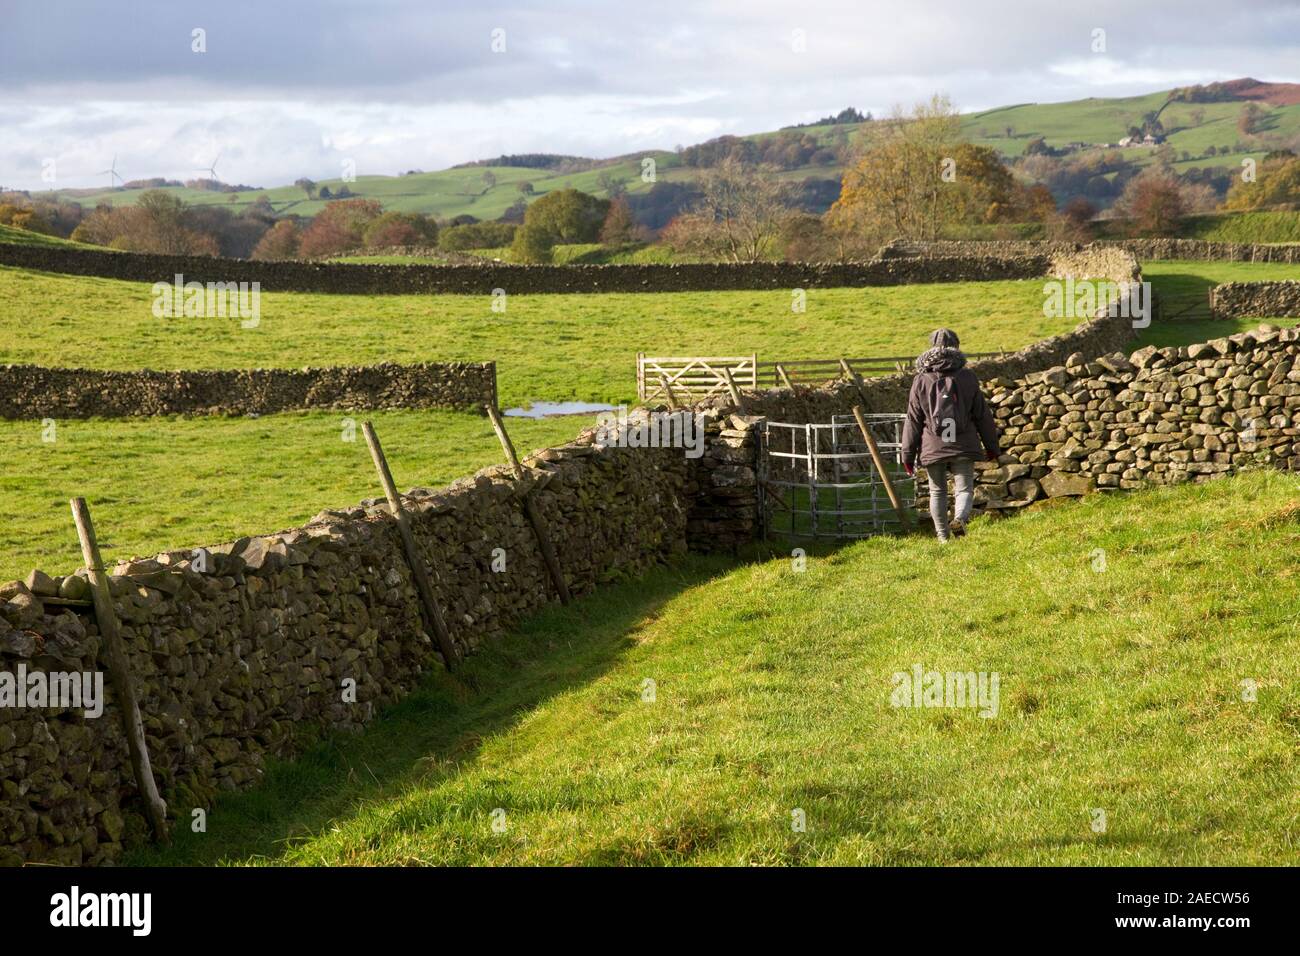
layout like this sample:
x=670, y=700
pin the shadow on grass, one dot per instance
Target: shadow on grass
x=1183, y=286
x=443, y=724
x=1181, y=292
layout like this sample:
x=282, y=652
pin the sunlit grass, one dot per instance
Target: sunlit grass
x=161, y=483
x=551, y=347
x=1120, y=690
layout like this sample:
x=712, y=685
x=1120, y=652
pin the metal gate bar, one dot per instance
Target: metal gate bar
x=830, y=495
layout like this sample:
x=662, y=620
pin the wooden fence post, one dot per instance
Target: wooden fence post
x=855, y=378
x=418, y=571
x=530, y=510
x=668, y=389
x=879, y=462
x=118, y=673
x=735, y=392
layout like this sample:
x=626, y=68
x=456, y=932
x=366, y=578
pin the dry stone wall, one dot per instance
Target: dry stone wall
x=1144, y=249
x=1106, y=334
x=30, y=391
x=235, y=647
x=1117, y=421
x=1150, y=249
x=1160, y=416
x=888, y=393
x=1273, y=300
x=483, y=277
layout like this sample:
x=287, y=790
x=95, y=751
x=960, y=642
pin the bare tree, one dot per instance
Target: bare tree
x=745, y=208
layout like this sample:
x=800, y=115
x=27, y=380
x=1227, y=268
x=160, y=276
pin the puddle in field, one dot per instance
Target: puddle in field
x=549, y=409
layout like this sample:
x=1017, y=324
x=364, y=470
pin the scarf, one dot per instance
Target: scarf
x=940, y=359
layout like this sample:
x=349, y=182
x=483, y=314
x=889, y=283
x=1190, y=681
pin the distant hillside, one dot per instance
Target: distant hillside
x=1190, y=126
x=554, y=162
x=1193, y=123
x=24, y=237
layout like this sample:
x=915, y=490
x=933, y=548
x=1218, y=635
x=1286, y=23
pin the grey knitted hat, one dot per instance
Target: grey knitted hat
x=944, y=339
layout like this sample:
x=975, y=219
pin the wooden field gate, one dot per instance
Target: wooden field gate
x=692, y=378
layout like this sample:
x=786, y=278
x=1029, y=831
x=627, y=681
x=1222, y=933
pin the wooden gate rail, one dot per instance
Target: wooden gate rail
x=688, y=379
x=692, y=377
x=817, y=371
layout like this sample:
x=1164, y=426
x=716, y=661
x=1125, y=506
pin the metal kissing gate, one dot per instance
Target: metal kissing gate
x=818, y=480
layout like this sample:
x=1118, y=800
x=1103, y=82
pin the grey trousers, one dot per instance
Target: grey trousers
x=963, y=486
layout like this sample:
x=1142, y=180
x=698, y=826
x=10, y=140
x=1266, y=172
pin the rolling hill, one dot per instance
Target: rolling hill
x=1191, y=128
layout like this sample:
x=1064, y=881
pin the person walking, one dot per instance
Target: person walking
x=949, y=427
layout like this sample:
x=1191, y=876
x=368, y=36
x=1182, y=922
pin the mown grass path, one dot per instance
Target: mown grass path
x=1121, y=689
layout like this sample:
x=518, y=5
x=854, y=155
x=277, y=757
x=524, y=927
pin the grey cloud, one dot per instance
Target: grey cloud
x=282, y=80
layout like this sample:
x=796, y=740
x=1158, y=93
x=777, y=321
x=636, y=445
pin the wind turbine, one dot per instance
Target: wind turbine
x=111, y=172
x=211, y=170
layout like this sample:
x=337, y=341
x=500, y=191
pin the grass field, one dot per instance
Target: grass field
x=552, y=347
x=1119, y=691
x=25, y=237
x=1270, y=226
x=169, y=482
x=173, y=482
x=1185, y=283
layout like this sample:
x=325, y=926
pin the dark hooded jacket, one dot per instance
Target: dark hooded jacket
x=946, y=412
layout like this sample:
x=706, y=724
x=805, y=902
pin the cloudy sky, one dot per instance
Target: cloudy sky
x=287, y=89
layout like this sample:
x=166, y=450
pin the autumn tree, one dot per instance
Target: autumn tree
x=569, y=215
x=612, y=185
x=1152, y=202
x=279, y=242
x=620, y=228
x=159, y=222
x=916, y=179
x=691, y=236
x=532, y=244
x=1074, y=224
x=1251, y=119
x=1276, y=183
x=162, y=226
x=24, y=217
x=478, y=235
x=104, y=224
x=400, y=229
x=898, y=188
x=338, y=228
x=1030, y=204
x=981, y=187
x=805, y=238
